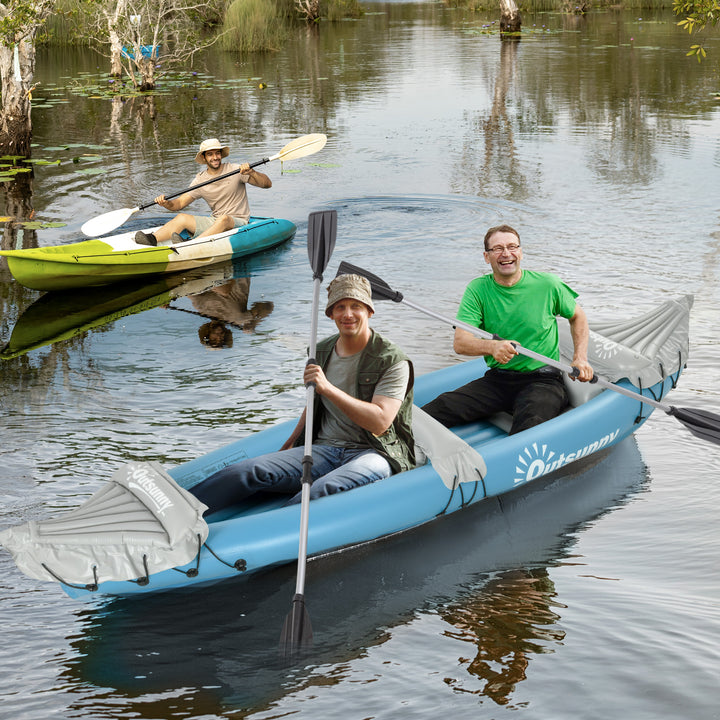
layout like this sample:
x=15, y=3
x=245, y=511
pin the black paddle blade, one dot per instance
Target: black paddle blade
x=702, y=423
x=380, y=289
x=322, y=230
x=297, y=630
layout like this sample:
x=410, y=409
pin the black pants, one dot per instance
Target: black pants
x=531, y=398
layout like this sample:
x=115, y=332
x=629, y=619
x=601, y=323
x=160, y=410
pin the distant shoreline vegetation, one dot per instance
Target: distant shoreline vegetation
x=561, y=5
x=263, y=25
x=242, y=25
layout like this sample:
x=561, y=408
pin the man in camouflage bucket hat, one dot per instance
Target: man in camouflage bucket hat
x=361, y=418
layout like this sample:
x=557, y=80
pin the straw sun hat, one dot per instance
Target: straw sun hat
x=211, y=144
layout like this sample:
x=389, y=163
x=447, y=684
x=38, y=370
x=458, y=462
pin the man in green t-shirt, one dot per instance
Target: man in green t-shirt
x=519, y=306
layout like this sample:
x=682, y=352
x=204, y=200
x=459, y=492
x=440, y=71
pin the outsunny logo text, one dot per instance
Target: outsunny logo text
x=537, y=460
x=140, y=479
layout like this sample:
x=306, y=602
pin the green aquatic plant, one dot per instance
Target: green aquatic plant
x=252, y=25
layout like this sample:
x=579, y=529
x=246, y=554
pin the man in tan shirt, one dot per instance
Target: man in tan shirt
x=227, y=198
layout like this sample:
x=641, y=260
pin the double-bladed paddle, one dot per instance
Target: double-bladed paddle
x=300, y=147
x=702, y=423
x=297, y=629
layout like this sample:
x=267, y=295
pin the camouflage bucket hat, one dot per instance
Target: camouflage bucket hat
x=349, y=286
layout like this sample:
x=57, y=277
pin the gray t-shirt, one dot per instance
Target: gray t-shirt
x=336, y=428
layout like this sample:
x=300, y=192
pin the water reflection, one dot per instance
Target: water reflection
x=227, y=304
x=508, y=621
x=61, y=316
x=489, y=165
x=485, y=571
x=18, y=195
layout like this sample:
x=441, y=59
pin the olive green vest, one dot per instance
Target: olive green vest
x=396, y=444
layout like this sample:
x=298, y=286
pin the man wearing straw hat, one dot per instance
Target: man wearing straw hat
x=227, y=198
x=361, y=418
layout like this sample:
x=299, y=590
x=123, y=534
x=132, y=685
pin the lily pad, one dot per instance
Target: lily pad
x=40, y=225
x=86, y=145
x=43, y=162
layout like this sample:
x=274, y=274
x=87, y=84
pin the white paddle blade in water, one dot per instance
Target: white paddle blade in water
x=103, y=224
x=301, y=147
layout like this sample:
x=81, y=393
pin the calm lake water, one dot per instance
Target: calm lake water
x=591, y=596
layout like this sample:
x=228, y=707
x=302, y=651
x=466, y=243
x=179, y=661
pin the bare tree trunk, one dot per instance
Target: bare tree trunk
x=309, y=8
x=115, y=50
x=17, y=70
x=147, y=72
x=115, y=43
x=510, y=20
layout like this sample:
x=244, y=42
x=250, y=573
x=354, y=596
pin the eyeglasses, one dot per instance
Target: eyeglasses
x=500, y=249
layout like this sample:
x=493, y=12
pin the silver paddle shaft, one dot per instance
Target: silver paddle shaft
x=569, y=369
x=307, y=460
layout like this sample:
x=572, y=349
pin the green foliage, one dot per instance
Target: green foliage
x=698, y=15
x=20, y=19
x=73, y=22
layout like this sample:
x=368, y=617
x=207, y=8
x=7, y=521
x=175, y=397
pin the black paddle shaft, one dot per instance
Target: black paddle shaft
x=202, y=184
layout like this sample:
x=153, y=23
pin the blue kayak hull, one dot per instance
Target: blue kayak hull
x=262, y=537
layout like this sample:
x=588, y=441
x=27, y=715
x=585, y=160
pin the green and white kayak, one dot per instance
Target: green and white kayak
x=107, y=260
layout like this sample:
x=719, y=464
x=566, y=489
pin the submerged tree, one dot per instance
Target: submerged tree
x=510, y=19
x=146, y=38
x=19, y=23
x=309, y=9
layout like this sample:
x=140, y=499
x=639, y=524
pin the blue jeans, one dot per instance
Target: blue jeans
x=334, y=469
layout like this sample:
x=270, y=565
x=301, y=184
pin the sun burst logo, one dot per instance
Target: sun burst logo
x=532, y=462
x=603, y=348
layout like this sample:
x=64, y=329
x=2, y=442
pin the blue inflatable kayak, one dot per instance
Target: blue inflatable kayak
x=645, y=355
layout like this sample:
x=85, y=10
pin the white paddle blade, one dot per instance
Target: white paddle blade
x=103, y=224
x=301, y=147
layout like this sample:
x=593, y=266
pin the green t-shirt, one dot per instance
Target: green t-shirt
x=525, y=313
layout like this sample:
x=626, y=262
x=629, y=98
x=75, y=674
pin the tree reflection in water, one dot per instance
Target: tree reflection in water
x=508, y=620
